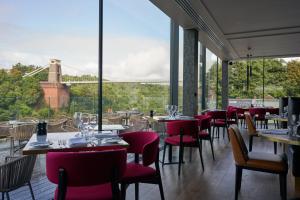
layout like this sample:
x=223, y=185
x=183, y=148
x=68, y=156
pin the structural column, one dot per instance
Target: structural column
x=224, y=84
x=190, y=72
x=174, y=67
x=203, y=77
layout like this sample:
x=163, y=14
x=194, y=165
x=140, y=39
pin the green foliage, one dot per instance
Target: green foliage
x=275, y=73
x=21, y=97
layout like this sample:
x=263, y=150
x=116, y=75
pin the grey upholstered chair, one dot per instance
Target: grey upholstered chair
x=15, y=173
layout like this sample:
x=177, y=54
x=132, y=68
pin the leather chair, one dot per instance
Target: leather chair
x=252, y=132
x=263, y=162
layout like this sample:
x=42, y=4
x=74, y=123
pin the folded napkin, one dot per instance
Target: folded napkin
x=106, y=134
x=77, y=142
x=275, y=131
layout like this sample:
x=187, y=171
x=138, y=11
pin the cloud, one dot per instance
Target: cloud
x=124, y=57
x=136, y=59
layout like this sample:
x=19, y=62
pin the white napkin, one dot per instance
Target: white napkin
x=77, y=142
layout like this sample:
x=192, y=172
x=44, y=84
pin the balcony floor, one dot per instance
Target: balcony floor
x=217, y=182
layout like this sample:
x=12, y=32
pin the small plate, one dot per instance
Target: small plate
x=39, y=144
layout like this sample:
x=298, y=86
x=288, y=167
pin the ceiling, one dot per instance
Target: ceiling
x=234, y=28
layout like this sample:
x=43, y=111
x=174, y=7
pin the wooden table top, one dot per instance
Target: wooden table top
x=287, y=139
x=277, y=118
x=53, y=139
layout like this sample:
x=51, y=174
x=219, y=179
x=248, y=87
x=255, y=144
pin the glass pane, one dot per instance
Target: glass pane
x=136, y=61
x=180, y=89
x=49, y=61
x=211, y=79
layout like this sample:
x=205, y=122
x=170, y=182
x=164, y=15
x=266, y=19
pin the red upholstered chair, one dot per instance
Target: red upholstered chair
x=241, y=115
x=258, y=114
x=204, y=123
x=232, y=117
x=145, y=144
x=86, y=175
x=183, y=133
x=219, y=120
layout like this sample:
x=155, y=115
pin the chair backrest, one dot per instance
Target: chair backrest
x=241, y=111
x=16, y=172
x=204, y=121
x=86, y=168
x=5, y=130
x=273, y=111
x=231, y=112
x=260, y=112
x=23, y=132
x=239, y=149
x=189, y=127
x=250, y=125
x=143, y=142
x=217, y=114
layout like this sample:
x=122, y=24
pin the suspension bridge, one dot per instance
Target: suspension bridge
x=81, y=79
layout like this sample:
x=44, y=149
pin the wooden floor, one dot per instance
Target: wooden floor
x=215, y=183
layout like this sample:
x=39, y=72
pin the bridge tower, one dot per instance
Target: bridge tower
x=56, y=94
x=55, y=75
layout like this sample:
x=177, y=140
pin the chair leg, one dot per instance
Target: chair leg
x=227, y=133
x=161, y=190
x=7, y=196
x=31, y=191
x=191, y=152
x=123, y=191
x=164, y=154
x=170, y=153
x=275, y=147
x=238, y=180
x=212, y=148
x=200, y=152
x=136, y=185
x=250, y=143
x=282, y=180
x=2, y=195
x=181, y=149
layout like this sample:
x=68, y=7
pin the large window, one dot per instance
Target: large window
x=136, y=69
x=269, y=79
x=211, y=79
x=39, y=38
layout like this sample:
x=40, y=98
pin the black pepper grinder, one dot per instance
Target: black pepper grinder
x=44, y=128
x=39, y=129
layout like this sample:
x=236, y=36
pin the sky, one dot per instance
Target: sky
x=136, y=44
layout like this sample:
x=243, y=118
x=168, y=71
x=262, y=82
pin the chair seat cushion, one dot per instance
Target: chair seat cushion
x=98, y=192
x=219, y=123
x=137, y=172
x=267, y=161
x=203, y=134
x=175, y=140
x=231, y=122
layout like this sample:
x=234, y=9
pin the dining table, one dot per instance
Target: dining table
x=293, y=140
x=64, y=141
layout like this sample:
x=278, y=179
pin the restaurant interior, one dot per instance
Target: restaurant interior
x=227, y=130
